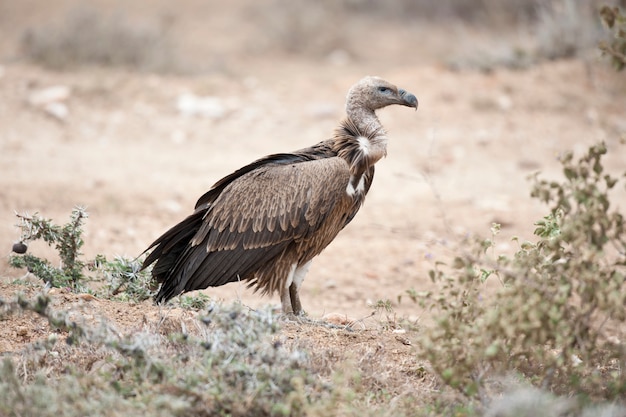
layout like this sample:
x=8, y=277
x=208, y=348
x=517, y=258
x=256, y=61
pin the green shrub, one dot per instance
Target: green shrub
x=123, y=278
x=616, y=47
x=197, y=301
x=67, y=240
x=555, y=315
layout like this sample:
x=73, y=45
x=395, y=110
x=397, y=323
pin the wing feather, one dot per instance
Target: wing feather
x=251, y=218
x=294, y=197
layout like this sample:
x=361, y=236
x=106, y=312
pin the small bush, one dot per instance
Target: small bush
x=89, y=37
x=557, y=311
x=67, y=240
x=565, y=28
x=615, y=21
x=197, y=301
x=123, y=278
x=559, y=29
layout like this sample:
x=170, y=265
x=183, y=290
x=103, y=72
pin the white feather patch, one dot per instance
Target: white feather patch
x=300, y=273
x=360, y=187
x=289, y=279
x=364, y=144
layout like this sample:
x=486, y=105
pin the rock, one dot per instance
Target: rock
x=330, y=284
x=49, y=95
x=57, y=110
x=50, y=100
x=340, y=319
x=208, y=106
x=505, y=103
x=403, y=340
x=86, y=297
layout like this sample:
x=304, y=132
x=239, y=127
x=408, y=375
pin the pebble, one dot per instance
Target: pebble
x=50, y=100
x=57, y=110
x=209, y=107
x=49, y=95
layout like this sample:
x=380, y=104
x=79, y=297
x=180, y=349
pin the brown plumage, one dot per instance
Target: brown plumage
x=265, y=222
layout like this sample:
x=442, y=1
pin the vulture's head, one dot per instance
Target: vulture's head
x=372, y=93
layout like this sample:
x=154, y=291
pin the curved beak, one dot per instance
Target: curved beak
x=407, y=99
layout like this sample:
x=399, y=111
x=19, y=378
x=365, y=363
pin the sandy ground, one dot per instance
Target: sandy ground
x=126, y=152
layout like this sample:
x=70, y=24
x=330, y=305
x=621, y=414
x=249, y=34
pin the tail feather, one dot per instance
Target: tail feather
x=168, y=248
x=196, y=269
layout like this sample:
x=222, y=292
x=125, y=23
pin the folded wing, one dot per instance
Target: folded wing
x=267, y=210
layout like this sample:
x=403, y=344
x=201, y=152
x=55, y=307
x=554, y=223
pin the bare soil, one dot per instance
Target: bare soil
x=137, y=163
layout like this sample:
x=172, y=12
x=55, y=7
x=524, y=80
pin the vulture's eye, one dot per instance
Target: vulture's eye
x=384, y=90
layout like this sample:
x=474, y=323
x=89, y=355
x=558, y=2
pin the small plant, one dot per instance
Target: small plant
x=555, y=314
x=383, y=306
x=615, y=21
x=124, y=278
x=199, y=301
x=66, y=239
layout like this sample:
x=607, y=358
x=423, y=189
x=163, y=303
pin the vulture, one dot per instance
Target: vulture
x=265, y=222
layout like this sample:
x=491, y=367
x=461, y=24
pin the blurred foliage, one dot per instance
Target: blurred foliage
x=333, y=29
x=556, y=313
x=615, y=21
x=89, y=36
x=473, y=11
x=566, y=28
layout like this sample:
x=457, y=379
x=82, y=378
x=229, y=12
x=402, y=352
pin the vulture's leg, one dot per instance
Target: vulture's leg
x=294, y=288
x=285, y=301
x=295, y=299
x=285, y=292
x=289, y=296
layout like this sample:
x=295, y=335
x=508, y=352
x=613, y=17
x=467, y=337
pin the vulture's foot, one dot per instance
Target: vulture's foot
x=298, y=318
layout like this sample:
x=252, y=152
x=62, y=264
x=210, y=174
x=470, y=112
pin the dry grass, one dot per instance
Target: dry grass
x=224, y=360
x=230, y=360
x=567, y=28
x=90, y=37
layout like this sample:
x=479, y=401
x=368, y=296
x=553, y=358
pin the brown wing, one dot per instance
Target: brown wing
x=252, y=220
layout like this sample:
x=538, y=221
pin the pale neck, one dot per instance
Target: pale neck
x=365, y=119
x=367, y=143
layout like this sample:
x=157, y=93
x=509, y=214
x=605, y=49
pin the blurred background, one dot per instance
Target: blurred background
x=199, y=36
